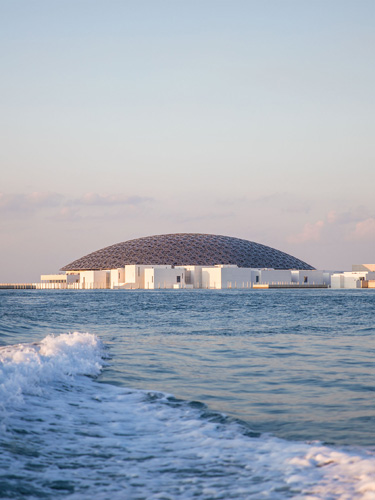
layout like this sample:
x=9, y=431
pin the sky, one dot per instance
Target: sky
x=123, y=119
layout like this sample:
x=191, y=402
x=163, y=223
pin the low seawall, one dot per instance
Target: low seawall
x=289, y=285
x=18, y=286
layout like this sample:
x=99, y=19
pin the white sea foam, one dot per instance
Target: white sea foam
x=26, y=368
x=70, y=436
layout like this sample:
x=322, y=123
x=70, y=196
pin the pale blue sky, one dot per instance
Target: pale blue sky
x=122, y=119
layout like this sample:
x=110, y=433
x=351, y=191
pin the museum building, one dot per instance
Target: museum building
x=185, y=260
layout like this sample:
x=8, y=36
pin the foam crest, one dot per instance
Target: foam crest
x=339, y=474
x=27, y=368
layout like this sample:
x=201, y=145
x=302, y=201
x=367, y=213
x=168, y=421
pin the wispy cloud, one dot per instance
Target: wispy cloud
x=19, y=202
x=355, y=215
x=310, y=232
x=295, y=206
x=70, y=214
x=64, y=207
x=285, y=201
x=364, y=230
x=279, y=202
x=356, y=224
x=97, y=199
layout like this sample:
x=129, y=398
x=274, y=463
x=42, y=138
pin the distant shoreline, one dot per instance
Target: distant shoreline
x=54, y=286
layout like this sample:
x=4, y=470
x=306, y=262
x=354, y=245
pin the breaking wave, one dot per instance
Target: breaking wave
x=65, y=434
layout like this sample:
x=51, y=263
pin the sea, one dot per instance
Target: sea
x=187, y=394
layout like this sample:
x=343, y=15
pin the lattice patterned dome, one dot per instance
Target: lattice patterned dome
x=185, y=249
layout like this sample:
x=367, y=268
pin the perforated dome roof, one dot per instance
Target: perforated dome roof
x=183, y=249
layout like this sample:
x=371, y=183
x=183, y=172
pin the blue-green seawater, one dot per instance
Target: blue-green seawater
x=284, y=368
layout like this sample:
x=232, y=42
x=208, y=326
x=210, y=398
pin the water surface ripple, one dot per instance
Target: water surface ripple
x=215, y=394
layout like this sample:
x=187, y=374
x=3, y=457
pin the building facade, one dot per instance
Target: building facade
x=193, y=260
